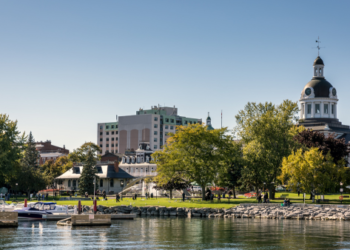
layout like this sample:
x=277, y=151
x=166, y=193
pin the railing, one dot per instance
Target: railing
x=138, y=174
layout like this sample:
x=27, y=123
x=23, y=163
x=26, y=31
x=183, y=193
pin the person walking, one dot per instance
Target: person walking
x=266, y=196
x=183, y=196
x=298, y=192
x=151, y=195
x=219, y=197
x=117, y=197
x=259, y=198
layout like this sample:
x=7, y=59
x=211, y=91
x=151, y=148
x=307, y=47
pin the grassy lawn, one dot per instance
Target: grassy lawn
x=197, y=203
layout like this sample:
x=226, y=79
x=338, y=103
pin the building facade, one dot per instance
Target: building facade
x=48, y=151
x=152, y=126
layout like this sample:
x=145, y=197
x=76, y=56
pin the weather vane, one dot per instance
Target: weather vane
x=318, y=45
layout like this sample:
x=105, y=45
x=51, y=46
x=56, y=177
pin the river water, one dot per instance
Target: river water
x=181, y=233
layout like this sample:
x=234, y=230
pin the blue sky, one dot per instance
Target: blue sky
x=67, y=65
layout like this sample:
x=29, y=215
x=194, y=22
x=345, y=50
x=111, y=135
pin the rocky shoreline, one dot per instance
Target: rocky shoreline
x=308, y=212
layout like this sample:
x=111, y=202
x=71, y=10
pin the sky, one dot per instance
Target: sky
x=67, y=65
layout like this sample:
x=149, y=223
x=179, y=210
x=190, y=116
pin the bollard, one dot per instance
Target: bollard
x=95, y=206
x=79, y=207
x=25, y=203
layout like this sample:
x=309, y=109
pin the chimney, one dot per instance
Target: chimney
x=116, y=166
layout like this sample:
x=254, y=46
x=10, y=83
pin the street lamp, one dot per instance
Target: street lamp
x=94, y=187
x=264, y=186
x=341, y=192
x=16, y=190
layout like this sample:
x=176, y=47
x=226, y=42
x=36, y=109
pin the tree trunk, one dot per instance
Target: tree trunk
x=272, y=192
x=311, y=196
x=234, y=192
x=203, y=193
x=171, y=194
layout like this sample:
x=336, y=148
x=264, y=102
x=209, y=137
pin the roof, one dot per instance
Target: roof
x=210, y=127
x=318, y=61
x=121, y=174
x=320, y=85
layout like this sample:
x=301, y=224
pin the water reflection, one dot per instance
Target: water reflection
x=181, y=233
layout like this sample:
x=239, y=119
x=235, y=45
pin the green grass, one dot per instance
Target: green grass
x=198, y=203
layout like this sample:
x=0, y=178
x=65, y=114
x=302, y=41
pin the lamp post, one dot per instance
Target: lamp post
x=264, y=186
x=94, y=187
x=341, y=192
x=16, y=190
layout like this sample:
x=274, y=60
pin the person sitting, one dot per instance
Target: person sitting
x=117, y=198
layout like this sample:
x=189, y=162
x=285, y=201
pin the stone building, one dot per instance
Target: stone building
x=48, y=151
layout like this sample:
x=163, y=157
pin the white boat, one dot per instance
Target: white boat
x=9, y=207
x=35, y=211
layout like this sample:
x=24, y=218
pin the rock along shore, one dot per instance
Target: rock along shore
x=263, y=211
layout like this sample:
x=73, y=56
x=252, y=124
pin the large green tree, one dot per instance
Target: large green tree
x=191, y=153
x=53, y=169
x=267, y=132
x=11, y=142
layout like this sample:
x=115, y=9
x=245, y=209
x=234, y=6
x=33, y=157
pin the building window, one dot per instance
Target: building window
x=155, y=132
x=155, y=147
x=60, y=182
x=101, y=127
x=172, y=121
x=166, y=126
x=107, y=133
x=317, y=109
x=155, y=125
x=112, y=146
x=166, y=133
x=194, y=122
x=186, y=122
x=325, y=109
x=190, y=122
x=167, y=120
x=116, y=146
x=155, y=139
x=116, y=126
x=171, y=127
x=74, y=183
x=69, y=183
x=116, y=138
x=100, y=133
x=101, y=183
x=100, y=139
x=107, y=145
x=155, y=119
x=111, y=182
x=332, y=109
x=309, y=109
x=112, y=138
x=107, y=127
x=116, y=132
x=100, y=145
x=107, y=139
x=112, y=132
x=112, y=126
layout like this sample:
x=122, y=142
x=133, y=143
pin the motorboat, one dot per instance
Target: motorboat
x=9, y=207
x=38, y=210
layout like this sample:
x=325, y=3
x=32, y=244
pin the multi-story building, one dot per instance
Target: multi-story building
x=50, y=152
x=152, y=125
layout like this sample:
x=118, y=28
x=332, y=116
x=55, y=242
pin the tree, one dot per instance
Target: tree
x=311, y=171
x=192, y=154
x=338, y=149
x=87, y=154
x=267, y=132
x=31, y=155
x=11, y=143
x=230, y=173
x=80, y=155
x=53, y=169
x=175, y=183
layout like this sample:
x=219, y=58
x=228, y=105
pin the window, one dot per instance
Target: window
x=122, y=183
x=107, y=139
x=112, y=138
x=167, y=120
x=155, y=125
x=112, y=126
x=69, y=183
x=171, y=127
x=112, y=145
x=155, y=132
x=116, y=138
x=107, y=133
x=317, y=109
x=60, y=182
x=155, y=118
x=101, y=127
x=325, y=109
x=107, y=127
x=116, y=146
x=100, y=145
x=74, y=183
x=116, y=126
x=332, y=108
x=172, y=121
x=155, y=139
x=155, y=147
x=190, y=122
x=186, y=122
x=101, y=183
x=100, y=139
x=112, y=132
x=99, y=169
x=194, y=122
x=116, y=132
x=107, y=145
x=309, y=109
x=76, y=170
x=101, y=133
x=166, y=126
x=111, y=183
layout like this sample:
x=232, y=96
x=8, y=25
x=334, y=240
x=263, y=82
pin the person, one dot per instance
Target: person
x=223, y=195
x=183, y=196
x=219, y=197
x=298, y=192
x=47, y=196
x=211, y=197
x=265, y=197
x=146, y=195
x=43, y=196
x=259, y=198
x=104, y=194
x=192, y=188
x=1, y=195
x=151, y=195
x=117, y=197
x=86, y=195
x=135, y=196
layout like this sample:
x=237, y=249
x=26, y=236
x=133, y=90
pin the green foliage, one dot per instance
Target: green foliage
x=192, y=154
x=310, y=170
x=80, y=155
x=88, y=174
x=53, y=169
x=11, y=143
x=31, y=155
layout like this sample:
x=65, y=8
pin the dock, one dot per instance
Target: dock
x=86, y=220
x=8, y=219
x=57, y=217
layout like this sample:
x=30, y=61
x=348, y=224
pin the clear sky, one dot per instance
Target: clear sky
x=67, y=65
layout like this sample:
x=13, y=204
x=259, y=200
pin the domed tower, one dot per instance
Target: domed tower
x=209, y=123
x=319, y=98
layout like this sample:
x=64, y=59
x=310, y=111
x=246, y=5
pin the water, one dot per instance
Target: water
x=181, y=233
